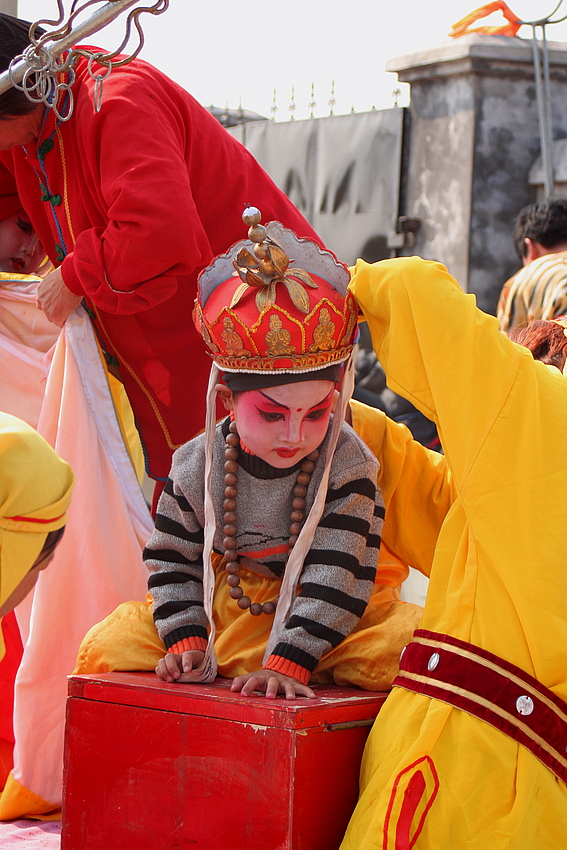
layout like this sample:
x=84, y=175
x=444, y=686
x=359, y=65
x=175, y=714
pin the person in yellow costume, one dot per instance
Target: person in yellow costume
x=469, y=749
x=35, y=491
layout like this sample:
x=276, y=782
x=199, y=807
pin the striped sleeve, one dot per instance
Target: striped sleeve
x=174, y=557
x=339, y=571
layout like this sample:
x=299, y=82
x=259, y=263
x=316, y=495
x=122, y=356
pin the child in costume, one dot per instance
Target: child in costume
x=469, y=748
x=265, y=574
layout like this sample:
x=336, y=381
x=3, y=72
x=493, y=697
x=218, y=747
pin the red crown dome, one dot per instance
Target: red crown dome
x=286, y=308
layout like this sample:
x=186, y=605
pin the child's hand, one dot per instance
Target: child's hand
x=272, y=684
x=172, y=666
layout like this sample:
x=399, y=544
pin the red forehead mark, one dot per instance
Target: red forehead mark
x=299, y=409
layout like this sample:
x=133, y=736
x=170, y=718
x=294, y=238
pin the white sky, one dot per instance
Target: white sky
x=224, y=51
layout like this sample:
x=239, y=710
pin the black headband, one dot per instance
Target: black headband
x=244, y=381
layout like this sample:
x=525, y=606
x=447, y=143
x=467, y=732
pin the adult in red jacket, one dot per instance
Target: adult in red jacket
x=131, y=204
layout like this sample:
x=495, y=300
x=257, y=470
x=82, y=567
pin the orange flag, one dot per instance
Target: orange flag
x=462, y=27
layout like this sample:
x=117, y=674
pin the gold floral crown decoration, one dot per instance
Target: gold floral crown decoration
x=267, y=268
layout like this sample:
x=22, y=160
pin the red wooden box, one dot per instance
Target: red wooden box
x=173, y=767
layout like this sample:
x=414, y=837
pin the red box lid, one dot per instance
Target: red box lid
x=333, y=705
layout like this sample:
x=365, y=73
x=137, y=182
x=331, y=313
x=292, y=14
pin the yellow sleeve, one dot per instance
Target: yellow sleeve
x=416, y=487
x=439, y=351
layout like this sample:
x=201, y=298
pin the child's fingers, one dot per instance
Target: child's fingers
x=172, y=663
x=249, y=685
x=289, y=690
x=191, y=659
x=161, y=671
x=164, y=671
x=272, y=687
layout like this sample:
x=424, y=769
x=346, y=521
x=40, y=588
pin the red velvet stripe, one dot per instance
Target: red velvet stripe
x=495, y=659
x=478, y=682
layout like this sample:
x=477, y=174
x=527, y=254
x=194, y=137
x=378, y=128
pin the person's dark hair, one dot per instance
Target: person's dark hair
x=545, y=223
x=14, y=38
x=546, y=341
x=52, y=541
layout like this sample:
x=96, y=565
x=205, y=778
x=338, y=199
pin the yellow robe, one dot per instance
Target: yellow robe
x=498, y=577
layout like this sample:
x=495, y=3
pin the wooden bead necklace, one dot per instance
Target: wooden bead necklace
x=297, y=517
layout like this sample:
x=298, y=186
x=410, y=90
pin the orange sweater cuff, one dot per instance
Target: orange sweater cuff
x=187, y=644
x=288, y=668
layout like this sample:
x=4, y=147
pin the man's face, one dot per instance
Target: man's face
x=20, y=129
x=20, y=250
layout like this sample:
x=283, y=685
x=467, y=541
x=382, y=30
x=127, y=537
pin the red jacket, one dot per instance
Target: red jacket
x=134, y=202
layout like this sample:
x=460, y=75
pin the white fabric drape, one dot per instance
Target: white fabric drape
x=98, y=564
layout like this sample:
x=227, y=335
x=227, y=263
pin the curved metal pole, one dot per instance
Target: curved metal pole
x=550, y=176
x=95, y=22
x=543, y=113
x=543, y=96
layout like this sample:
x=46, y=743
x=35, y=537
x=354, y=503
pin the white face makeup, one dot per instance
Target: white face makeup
x=283, y=424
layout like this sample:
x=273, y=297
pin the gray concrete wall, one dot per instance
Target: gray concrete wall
x=438, y=188
x=474, y=136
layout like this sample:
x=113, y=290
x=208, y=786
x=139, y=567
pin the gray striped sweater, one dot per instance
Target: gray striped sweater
x=339, y=570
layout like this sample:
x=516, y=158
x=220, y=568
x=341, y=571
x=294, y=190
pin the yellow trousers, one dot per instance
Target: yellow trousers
x=128, y=640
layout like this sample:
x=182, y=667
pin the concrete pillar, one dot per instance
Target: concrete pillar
x=10, y=7
x=474, y=136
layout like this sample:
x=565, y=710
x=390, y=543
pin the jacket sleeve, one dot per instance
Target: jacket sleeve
x=141, y=186
x=416, y=485
x=338, y=574
x=174, y=557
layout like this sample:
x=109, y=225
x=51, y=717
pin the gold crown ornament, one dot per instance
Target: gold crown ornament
x=260, y=311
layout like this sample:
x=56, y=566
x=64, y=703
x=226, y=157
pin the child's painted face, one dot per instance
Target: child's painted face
x=284, y=424
x=20, y=250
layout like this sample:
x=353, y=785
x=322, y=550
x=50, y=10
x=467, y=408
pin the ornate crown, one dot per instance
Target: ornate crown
x=256, y=313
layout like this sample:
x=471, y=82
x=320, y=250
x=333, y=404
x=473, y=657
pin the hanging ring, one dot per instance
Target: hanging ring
x=98, y=78
x=63, y=87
